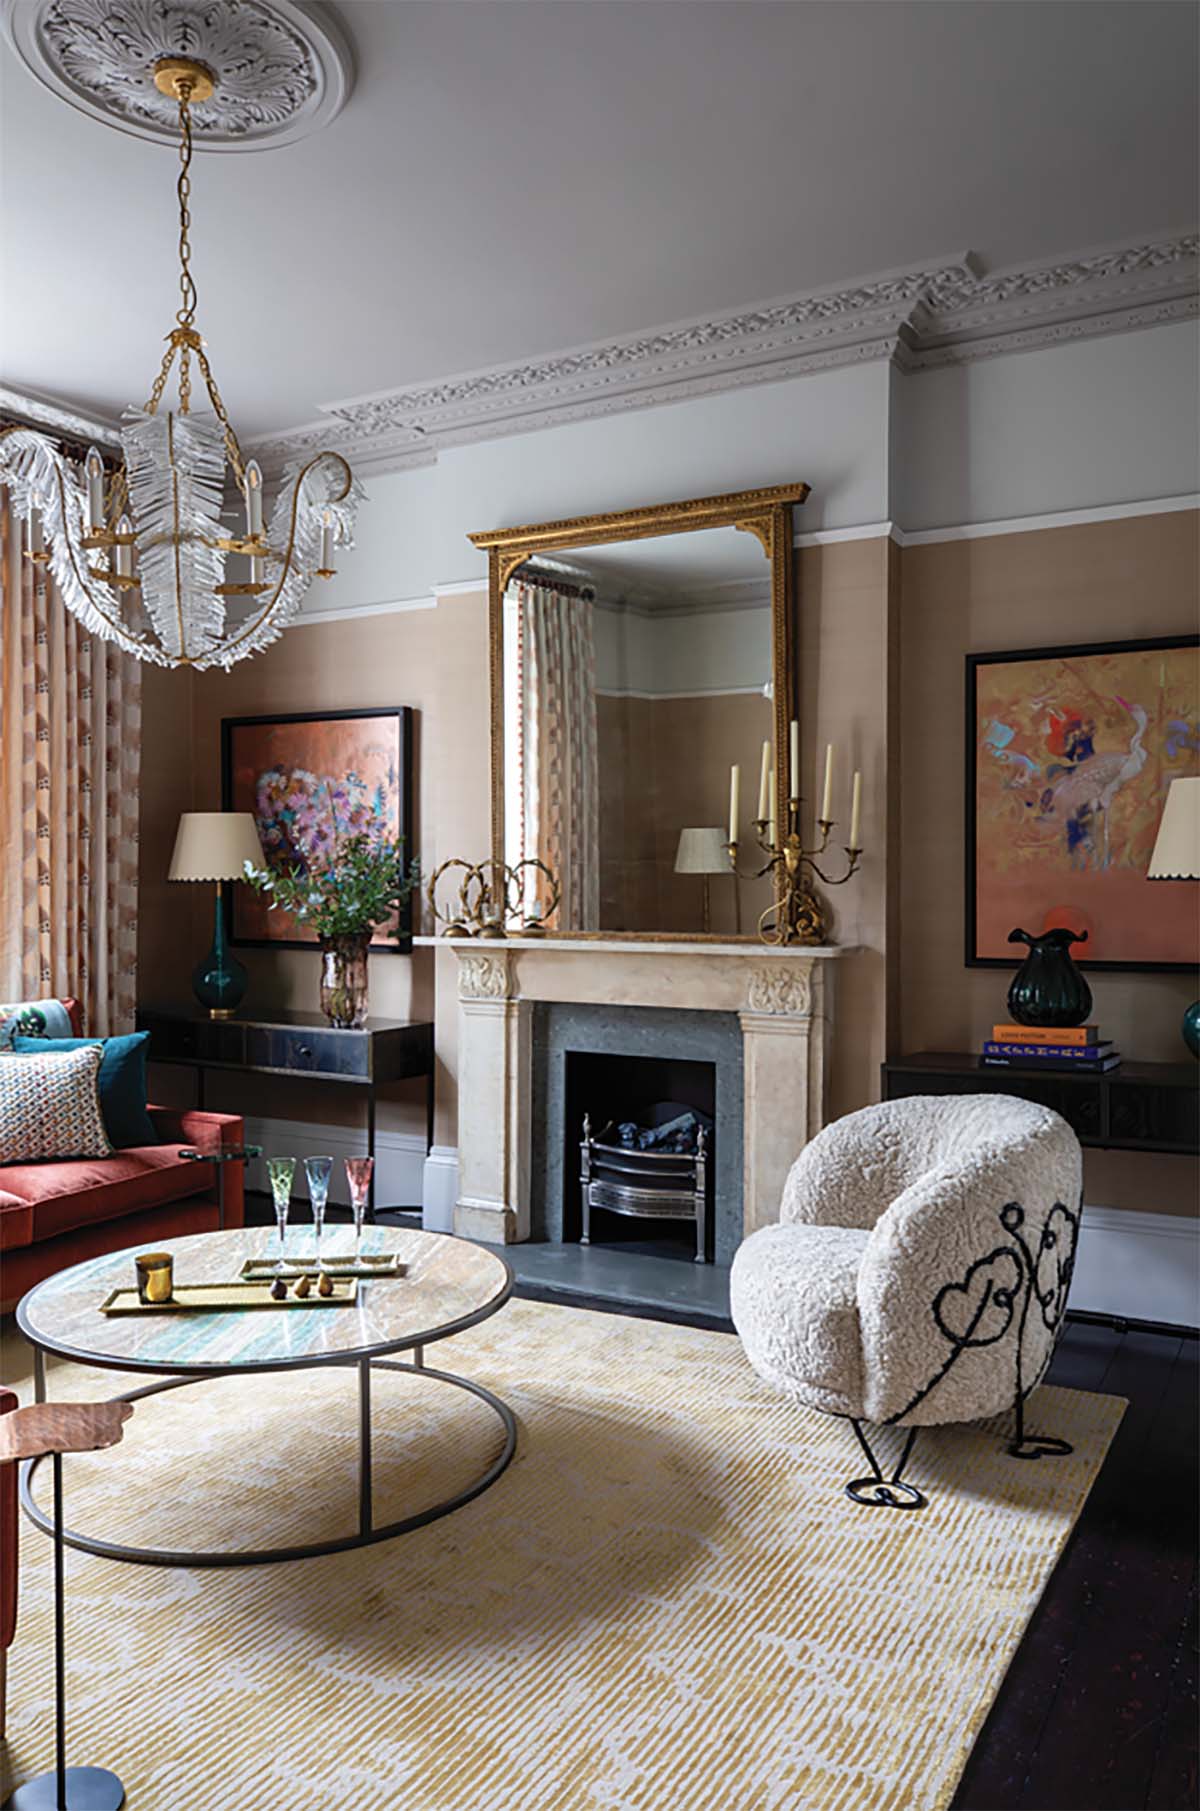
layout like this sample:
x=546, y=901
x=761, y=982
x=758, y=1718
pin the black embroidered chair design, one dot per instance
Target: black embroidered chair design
x=1012, y=1282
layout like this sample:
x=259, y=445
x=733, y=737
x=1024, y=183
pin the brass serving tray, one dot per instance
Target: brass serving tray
x=386, y=1264
x=219, y=1298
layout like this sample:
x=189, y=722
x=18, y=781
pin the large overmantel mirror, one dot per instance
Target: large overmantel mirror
x=636, y=659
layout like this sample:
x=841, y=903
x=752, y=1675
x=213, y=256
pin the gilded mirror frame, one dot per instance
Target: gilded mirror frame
x=766, y=514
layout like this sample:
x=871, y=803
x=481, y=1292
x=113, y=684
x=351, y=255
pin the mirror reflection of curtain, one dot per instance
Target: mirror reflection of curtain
x=550, y=763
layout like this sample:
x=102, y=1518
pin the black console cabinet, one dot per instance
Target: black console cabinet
x=1135, y=1107
x=297, y=1044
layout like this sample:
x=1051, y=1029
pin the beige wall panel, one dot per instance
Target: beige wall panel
x=433, y=660
x=844, y=603
x=1102, y=581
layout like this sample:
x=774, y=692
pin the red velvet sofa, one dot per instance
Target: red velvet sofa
x=56, y=1214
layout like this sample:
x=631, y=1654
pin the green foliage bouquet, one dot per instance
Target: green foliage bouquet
x=360, y=882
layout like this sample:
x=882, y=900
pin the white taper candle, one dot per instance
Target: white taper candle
x=827, y=795
x=735, y=800
x=763, y=786
x=773, y=815
x=794, y=762
x=327, y=542
x=254, y=498
x=855, y=812
x=124, y=554
x=93, y=467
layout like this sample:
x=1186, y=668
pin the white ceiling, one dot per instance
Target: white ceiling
x=513, y=177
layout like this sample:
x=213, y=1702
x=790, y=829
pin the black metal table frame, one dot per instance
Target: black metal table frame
x=366, y=1361
x=367, y=1083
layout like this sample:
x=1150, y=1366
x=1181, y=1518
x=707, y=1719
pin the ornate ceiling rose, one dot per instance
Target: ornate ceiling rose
x=281, y=69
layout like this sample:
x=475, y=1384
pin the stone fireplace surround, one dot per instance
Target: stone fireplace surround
x=783, y=1002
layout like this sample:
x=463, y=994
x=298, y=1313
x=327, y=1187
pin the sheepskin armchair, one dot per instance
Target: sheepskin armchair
x=920, y=1270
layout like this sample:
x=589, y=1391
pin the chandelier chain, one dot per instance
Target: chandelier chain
x=187, y=287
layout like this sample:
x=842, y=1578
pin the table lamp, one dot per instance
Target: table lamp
x=1177, y=857
x=214, y=845
x=702, y=852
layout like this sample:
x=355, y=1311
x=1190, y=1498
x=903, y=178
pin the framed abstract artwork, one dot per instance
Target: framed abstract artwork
x=310, y=779
x=1070, y=752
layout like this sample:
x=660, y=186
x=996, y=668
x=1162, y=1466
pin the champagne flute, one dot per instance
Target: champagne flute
x=281, y=1170
x=358, y=1175
x=318, y=1170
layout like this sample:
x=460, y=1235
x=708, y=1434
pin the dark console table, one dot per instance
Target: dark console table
x=299, y=1044
x=1135, y=1107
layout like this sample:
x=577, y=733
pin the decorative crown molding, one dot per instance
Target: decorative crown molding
x=944, y=312
x=939, y=313
x=282, y=68
x=56, y=419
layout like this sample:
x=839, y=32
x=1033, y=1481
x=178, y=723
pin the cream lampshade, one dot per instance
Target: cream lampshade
x=214, y=846
x=1177, y=857
x=1177, y=845
x=703, y=852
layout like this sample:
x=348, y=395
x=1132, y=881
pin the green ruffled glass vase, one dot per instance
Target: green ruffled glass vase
x=1048, y=989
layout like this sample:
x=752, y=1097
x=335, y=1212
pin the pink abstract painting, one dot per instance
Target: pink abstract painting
x=1074, y=752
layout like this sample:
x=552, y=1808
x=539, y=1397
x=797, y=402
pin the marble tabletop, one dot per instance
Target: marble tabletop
x=447, y=1283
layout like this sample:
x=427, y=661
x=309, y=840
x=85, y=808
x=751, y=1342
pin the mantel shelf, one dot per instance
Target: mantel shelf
x=642, y=946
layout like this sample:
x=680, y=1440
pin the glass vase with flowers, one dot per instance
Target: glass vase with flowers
x=343, y=892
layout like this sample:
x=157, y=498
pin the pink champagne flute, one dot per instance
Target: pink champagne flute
x=358, y=1175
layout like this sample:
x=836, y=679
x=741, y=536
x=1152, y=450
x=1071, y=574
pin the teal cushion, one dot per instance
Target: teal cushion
x=122, y=1082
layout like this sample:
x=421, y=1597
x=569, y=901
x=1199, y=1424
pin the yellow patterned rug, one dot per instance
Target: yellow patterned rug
x=665, y=1604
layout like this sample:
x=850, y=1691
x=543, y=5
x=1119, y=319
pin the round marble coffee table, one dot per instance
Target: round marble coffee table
x=447, y=1285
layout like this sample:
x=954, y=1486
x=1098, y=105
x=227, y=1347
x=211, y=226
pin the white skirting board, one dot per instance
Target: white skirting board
x=1138, y=1266
x=399, y=1158
x=441, y=1188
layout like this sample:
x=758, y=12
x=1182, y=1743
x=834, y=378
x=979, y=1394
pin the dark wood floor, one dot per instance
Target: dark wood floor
x=1098, y=1711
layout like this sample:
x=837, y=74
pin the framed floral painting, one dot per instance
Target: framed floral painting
x=312, y=779
x=1070, y=752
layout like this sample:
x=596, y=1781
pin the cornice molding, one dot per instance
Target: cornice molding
x=57, y=419
x=942, y=312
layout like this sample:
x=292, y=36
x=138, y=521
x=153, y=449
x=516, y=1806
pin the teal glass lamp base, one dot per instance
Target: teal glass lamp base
x=219, y=979
x=1191, y=1028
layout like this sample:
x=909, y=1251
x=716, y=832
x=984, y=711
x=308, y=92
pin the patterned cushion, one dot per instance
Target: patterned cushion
x=122, y=1082
x=50, y=1106
x=35, y=1019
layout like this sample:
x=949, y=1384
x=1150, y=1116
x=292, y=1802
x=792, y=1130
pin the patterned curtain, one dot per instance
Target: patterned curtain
x=70, y=732
x=552, y=791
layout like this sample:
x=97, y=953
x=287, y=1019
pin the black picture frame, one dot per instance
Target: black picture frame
x=403, y=714
x=1014, y=656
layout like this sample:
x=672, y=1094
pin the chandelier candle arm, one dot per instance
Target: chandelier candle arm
x=160, y=530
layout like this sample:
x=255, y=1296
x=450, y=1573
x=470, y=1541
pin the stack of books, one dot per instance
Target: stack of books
x=1078, y=1047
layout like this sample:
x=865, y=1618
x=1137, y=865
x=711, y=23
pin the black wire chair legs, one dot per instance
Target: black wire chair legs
x=1034, y=1446
x=878, y=1492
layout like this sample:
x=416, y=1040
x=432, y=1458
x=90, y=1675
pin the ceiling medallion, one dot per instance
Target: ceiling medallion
x=280, y=69
x=148, y=552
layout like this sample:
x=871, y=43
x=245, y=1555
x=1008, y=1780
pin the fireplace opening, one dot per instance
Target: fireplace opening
x=654, y=1193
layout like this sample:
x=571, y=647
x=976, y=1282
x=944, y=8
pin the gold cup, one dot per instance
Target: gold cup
x=154, y=1276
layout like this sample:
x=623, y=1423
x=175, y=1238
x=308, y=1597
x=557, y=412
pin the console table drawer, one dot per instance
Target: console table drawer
x=309, y=1050
x=194, y=1040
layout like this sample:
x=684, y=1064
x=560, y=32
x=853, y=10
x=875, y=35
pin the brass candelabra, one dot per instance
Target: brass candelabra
x=798, y=914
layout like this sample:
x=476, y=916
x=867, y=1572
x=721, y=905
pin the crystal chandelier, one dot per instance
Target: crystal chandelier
x=138, y=550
